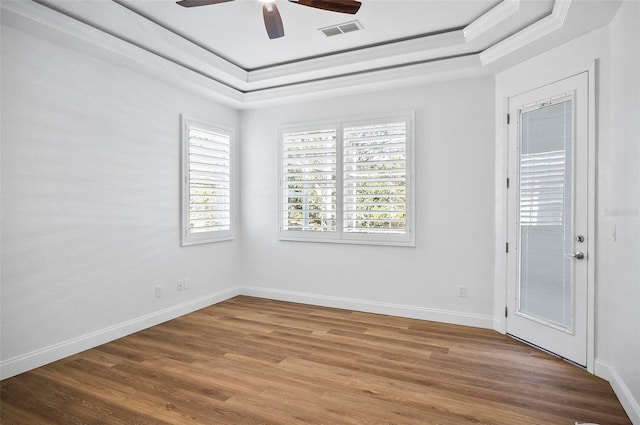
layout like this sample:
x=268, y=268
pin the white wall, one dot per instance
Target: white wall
x=90, y=203
x=90, y=208
x=617, y=273
x=454, y=206
x=619, y=209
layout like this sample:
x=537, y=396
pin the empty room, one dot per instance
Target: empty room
x=320, y=212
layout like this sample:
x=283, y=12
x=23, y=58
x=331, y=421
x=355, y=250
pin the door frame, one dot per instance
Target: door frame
x=525, y=84
x=566, y=342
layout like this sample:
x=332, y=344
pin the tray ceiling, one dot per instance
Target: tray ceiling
x=224, y=50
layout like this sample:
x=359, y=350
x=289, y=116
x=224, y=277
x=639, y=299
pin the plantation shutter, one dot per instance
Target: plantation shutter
x=375, y=178
x=309, y=181
x=209, y=187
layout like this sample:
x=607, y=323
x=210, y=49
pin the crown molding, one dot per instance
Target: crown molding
x=489, y=20
x=156, y=50
x=419, y=73
x=36, y=20
x=422, y=48
x=528, y=35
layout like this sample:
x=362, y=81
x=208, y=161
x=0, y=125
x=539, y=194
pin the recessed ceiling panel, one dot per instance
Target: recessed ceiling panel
x=235, y=29
x=224, y=49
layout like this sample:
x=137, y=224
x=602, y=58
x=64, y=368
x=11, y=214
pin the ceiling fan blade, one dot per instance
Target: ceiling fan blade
x=193, y=3
x=272, y=21
x=342, y=6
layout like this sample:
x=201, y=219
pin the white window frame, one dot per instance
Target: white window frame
x=340, y=236
x=188, y=238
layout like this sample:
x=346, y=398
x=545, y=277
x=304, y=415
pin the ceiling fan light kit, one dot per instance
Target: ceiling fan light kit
x=271, y=15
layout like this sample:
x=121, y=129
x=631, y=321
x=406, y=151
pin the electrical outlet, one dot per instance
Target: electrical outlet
x=180, y=285
x=158, y=291
x=462, y=291
x=186, y=283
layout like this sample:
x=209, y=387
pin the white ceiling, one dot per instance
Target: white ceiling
x=224, y=51
x=235, y=29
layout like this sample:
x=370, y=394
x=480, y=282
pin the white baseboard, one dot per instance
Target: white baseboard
x=412, y=312
x=34, y=359
x=629, y=403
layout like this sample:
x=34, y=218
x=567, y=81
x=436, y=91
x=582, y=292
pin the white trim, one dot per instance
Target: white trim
x=38, y=20
x=43, y=356
x=394, y=54
x=401, y=310
x=489, y=20
x=572, y=343
x=187, y=238
x=184, y=62
x=433, y=57
x=532, y=33
x=624, y=394
x=501, y=207
x=382, y=78
x=503, y=93
x=592, y=195
x=338, y=235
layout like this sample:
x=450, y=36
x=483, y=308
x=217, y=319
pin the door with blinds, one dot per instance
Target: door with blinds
x=548, y=218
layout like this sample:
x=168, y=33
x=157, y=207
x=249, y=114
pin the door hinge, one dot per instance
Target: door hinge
x=507, y=182
x=506, y=247
x=508, y=118
x=506, y=311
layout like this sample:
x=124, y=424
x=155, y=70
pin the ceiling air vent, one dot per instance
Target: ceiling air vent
x=341, y=28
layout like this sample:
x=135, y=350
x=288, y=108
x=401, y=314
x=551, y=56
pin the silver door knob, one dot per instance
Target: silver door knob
x=578, y=255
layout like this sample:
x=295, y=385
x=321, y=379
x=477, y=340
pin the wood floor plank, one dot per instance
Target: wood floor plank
x=251, y=361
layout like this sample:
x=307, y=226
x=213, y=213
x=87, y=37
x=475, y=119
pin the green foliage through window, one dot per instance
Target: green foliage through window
x=309, y=173
x=348, y=181
x=375, y=178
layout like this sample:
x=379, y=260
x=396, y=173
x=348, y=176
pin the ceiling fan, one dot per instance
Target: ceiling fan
x=272, y=20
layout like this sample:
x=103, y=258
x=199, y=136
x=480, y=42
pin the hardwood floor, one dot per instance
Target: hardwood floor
x=253, y=361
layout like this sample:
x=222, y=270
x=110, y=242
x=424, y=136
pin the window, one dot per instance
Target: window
x=309, y=180
x=348, y=182
x=206, y=183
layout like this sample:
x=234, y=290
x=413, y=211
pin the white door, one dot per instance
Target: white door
x=547, y=291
